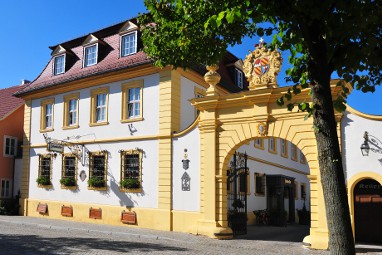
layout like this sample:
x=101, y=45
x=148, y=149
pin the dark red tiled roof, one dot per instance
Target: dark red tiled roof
x=8, y=102
x=109, y=60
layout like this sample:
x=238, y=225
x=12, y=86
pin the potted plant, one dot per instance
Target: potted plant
x=130, y=183
x=68, y=181
x=96, y=182
x=43, y=180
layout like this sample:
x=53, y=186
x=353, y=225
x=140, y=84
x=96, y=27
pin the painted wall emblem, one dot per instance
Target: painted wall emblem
x=261, y=66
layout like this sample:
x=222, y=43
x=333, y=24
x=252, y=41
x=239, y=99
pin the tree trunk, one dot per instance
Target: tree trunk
x=330, y=162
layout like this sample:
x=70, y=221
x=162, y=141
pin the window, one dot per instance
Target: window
x=10, y=144
x=131, y=169
x=97, y=170
x=59, y=65
x=129, y=44
x=272, y=145
x=303, y=191
x=132, y=101
x=295, y=189
x=284, y=148
x=259, y=143
x=90, y=55
x=47, y=114
x=302, y=158
x=71, y=111
x=69, y=170
x=244, y=183
x=5, y=188
x=239, y=78
x=198, y=93
x=99, y=106
x=44, y=172
x=293, y=152
x=259, y=184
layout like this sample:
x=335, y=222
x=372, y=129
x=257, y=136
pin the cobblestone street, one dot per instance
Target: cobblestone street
x=29, y=236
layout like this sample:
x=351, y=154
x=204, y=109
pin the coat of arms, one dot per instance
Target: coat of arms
x=262, y=66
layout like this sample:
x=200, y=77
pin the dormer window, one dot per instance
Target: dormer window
x=239, y=78
x=90, y=55
x=59, y=64
x=128, y=44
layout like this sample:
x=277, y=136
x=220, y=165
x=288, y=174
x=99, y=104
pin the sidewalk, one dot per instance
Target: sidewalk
x=98, y=228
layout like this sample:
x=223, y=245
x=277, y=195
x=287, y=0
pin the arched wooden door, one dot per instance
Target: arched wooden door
x=368, y=211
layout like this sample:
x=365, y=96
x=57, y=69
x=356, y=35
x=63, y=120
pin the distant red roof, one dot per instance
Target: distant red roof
x=8, y=102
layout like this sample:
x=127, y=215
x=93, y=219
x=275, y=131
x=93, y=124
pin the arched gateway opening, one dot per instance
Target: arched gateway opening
x=229, y=121
x=267, y=184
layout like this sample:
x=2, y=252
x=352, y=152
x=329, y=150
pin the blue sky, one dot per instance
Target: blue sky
x=28, y=28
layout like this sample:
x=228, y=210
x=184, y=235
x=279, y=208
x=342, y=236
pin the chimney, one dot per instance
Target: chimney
x=23, y=81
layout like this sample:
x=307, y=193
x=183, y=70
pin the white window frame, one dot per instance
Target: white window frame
x=122, y=44
x=100, y=108
x=12, y=152
x=48, y=116
x=6, y=193
x=73, y=113
x=62, y=69
x=239, y=78
x=86, y=59
x=134, y=103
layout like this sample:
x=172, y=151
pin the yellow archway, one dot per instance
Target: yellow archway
x=227, y=122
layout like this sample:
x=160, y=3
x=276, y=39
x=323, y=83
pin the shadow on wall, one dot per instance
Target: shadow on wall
x=124, y=198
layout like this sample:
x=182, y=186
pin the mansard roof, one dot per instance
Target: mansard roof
x=109, y=59
x=8, y=102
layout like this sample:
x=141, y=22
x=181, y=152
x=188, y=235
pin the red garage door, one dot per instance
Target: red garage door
x=368, y=211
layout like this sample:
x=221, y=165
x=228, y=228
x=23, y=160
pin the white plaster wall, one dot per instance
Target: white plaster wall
x=260, y=202
x=112, y=196
x=187, y=111
x=353, y=128
x=186, y=200
x=115, y=129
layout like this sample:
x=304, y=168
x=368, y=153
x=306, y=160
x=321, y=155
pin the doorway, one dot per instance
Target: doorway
x=368, y=211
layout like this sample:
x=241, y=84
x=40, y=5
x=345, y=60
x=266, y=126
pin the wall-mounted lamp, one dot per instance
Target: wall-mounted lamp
x=365, y=148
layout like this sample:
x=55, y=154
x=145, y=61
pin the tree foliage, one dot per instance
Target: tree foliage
x=183, y=33
x=322, y=37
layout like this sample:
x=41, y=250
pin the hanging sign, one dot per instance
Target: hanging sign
x=56, y=147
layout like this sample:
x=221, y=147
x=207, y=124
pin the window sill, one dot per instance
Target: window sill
x=50, y=186
x=259, y=147
x=259, y=194
x=98, y=188
x=69, y=187
x=46, y=130
x=95, y=124
x=284, y=156
x=132, y=120
x=70, y=127
x=294, y=159
x=139, y=190
x=273, y=152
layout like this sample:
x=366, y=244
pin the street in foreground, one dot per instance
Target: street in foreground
x=27, y=235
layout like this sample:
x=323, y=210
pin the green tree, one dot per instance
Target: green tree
x=322, y=37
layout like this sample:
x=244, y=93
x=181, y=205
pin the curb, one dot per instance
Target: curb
x=88, y=230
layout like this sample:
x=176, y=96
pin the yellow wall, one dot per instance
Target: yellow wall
x=111, y=215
